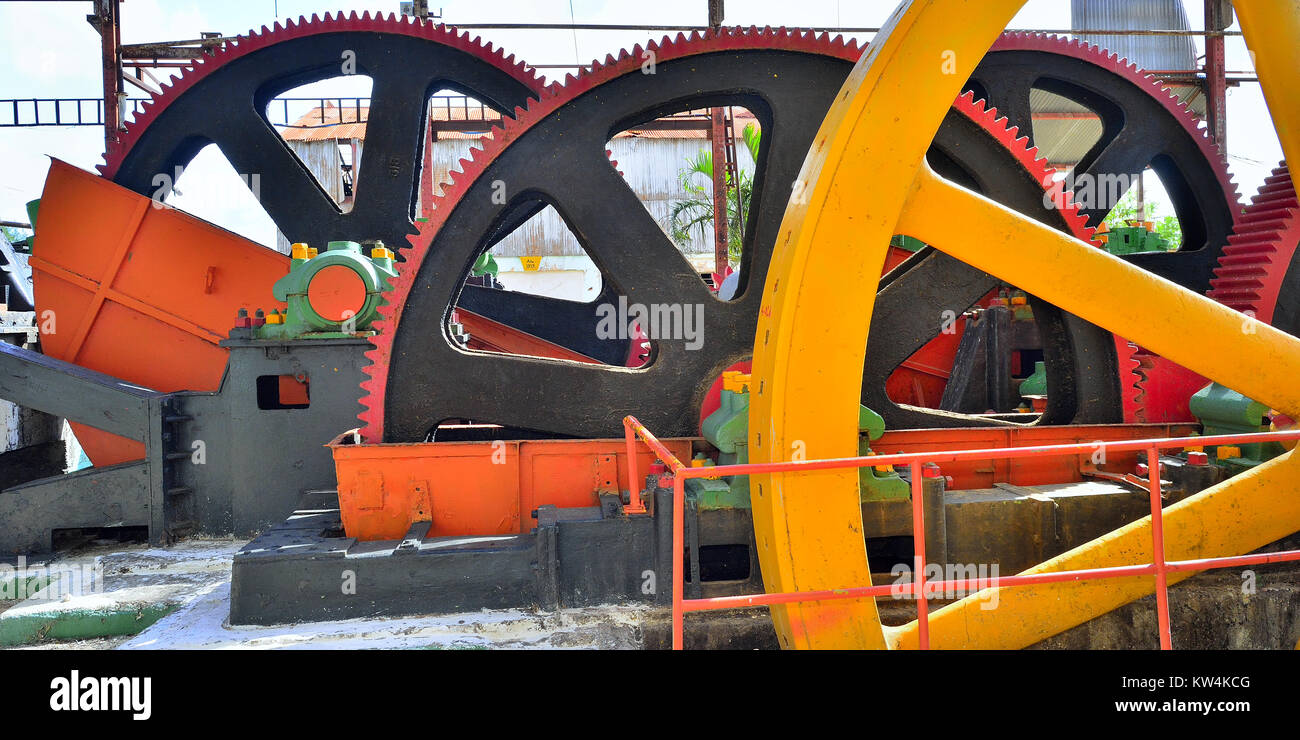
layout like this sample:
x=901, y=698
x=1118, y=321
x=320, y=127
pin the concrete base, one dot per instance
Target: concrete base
x=107, y=591
x=179, y=598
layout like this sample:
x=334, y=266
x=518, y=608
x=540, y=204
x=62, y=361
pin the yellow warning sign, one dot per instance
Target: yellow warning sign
x=531, y=263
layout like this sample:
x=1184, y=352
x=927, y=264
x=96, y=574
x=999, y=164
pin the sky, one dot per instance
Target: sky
x=47, y=49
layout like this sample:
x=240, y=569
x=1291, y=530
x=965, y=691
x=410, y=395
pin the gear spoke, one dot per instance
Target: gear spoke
x=1116, y=166
x=394, y=133
x=478, y=395
x=632, y=248
x=784, y=147
x=1008, y=87
x=287, y=191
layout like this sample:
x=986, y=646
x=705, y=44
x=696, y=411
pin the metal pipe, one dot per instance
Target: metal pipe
x=671, y=460
x=635, y=505
x=1158, y=546
x=819, y=29
x=718, y=603
x=679, y=516
x=1158, y=568
x=906, y=458
x=918, y=549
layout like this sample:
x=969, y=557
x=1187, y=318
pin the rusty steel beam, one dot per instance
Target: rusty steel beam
x=1218, y=16
x=108, y=22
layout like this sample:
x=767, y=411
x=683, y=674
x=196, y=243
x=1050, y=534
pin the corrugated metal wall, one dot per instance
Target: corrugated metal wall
x=651, y=167
x=1147, y=52
x=322, y=159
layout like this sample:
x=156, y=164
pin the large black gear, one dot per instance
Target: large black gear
x=555, y=154
x=223, y=100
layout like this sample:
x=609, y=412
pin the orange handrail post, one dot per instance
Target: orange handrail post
x=918, y=542
x=679, y=547
x=635, y=505
x=1158, y=547
x=1159, y=567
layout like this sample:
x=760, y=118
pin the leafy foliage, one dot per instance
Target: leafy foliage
x=1125, y=210
x=694, y=213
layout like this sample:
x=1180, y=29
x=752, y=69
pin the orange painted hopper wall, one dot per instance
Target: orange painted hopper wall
x=140, y=292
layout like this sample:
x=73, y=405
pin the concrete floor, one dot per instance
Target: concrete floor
x=137, y=597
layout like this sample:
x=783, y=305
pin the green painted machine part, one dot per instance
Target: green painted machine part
x=1134, y=239
x=1224, y=411
x=728, y=430
x=876, y=484
x=1036, y=384
x=902, y=241
x=486, y=264
x=25, y=245
x=302, y=320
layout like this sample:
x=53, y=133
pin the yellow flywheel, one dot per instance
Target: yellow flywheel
x=865, y=180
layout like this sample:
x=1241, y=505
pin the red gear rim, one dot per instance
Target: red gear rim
x=556, y=95
x=331, y=23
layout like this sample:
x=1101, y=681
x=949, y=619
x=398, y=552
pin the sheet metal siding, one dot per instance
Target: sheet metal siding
x=322, y=159
x=651, y=167
x=1147, y=52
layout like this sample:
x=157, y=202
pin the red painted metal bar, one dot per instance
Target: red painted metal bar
x=679, y=547
x=918, y=542
x=1158, y=547
x=906, y=458
x=971, y=585
x=635, y=505
x=673, y=463
x=1158, y=568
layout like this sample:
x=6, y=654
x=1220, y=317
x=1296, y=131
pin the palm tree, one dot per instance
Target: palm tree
x=695, y=212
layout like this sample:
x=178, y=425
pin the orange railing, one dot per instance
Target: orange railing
x=1159, y=568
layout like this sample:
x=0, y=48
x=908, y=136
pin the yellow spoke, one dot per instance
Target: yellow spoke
x=1198, y=333
x=1239, y=515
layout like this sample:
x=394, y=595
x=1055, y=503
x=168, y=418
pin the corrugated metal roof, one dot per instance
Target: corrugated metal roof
x=329, y=122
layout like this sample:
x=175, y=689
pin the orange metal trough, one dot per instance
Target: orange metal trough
x=139, y=291
x=144, y=292
x=475, y=488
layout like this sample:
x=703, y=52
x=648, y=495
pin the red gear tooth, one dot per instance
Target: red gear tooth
x=255, y=40
x=1252, y=267
x=554, y=95
x=1130, y=380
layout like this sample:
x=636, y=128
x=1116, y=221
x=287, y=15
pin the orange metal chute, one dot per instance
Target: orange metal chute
x=139, y=292
x=145, y=293
x=476, y=488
